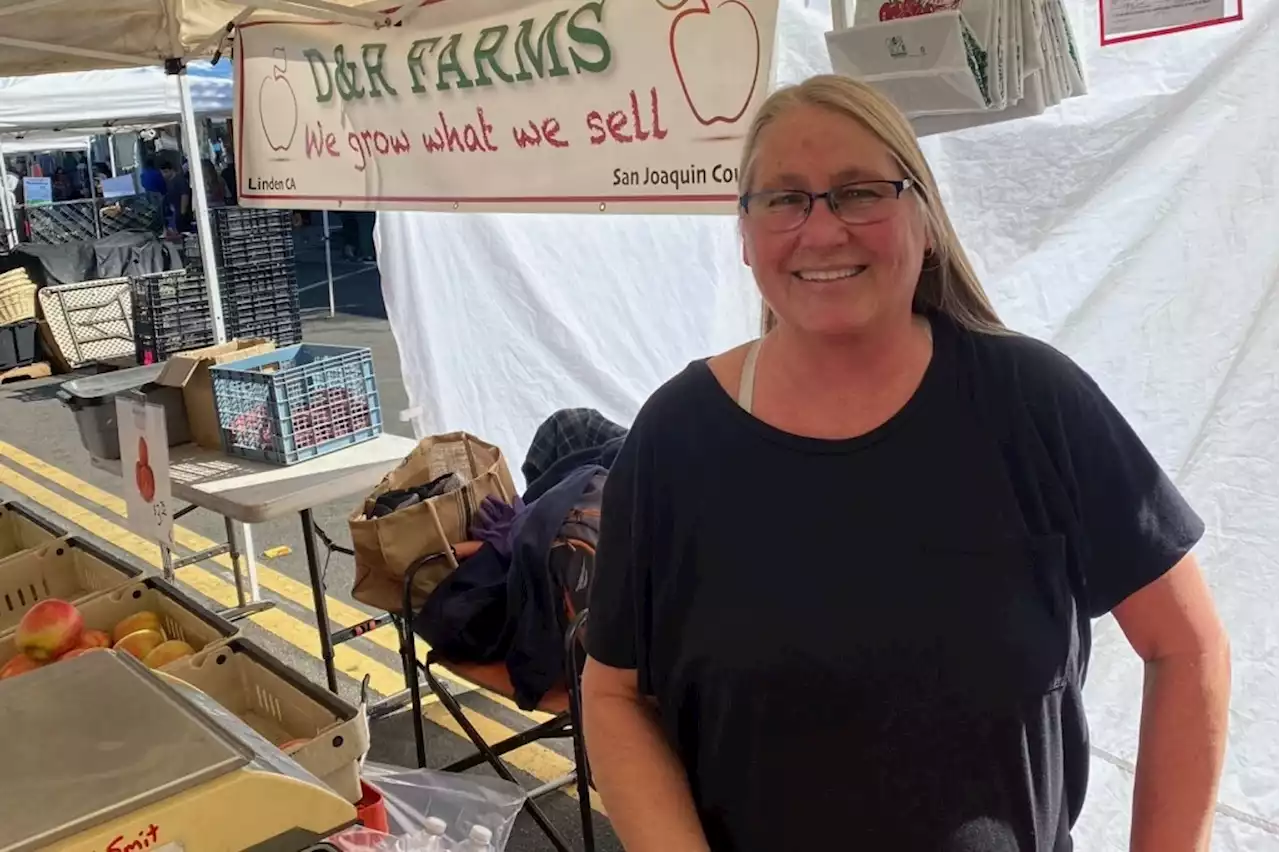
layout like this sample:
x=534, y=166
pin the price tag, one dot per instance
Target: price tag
x=144, y=462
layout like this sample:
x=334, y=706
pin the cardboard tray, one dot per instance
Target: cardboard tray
x=21, y=529
x=282, y=705
x=70, y=569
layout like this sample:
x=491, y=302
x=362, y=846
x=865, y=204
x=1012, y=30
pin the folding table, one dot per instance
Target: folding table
x=253, y=492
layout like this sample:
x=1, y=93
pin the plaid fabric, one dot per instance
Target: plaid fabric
x=567, y=431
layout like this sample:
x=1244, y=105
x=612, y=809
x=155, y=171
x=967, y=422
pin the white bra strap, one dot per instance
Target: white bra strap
x=747, y=384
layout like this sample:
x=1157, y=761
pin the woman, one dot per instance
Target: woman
x=846, y=573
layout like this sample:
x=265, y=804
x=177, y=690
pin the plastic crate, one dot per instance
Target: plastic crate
x=269, y=247
x=180, y=616
x=246, y=286
x=268, y=250
x=21, y=529
x=18, y=343
x=281, y=334
x=273, y=315
x=170, y=314
x=297, y=403
x=283, y=707
x=69, y=569
x=235, y=222
x=250, y=307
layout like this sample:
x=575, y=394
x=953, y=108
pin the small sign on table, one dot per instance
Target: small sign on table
x=144, y=461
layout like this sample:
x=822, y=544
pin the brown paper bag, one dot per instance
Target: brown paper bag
x=387, y=547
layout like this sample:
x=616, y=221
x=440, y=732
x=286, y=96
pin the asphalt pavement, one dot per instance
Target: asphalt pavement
x=44, y=465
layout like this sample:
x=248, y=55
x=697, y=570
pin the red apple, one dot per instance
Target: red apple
x=79, y=652
x=48, y=630
x=727, y=29
x=21, y=664
x=94, y=639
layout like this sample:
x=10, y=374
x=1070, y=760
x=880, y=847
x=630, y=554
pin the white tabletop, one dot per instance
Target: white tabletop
x=252, y=492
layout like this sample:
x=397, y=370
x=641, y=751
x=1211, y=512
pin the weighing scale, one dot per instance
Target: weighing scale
x=99, y=754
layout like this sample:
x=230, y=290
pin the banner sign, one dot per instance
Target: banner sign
x=626, y=106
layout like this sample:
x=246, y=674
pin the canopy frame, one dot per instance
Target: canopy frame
x=323, y=10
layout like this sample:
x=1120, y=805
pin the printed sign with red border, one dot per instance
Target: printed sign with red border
x=602, y=105
x=1121, y=21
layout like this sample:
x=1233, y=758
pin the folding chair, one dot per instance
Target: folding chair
x=563, y=703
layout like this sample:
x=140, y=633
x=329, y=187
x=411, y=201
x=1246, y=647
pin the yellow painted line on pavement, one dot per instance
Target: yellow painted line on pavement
x=295, y=592
x=544, y=764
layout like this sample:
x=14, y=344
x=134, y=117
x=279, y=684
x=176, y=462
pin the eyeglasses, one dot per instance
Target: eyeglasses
x=860, y=203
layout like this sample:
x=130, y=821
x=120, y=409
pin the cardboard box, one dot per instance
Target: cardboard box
x=190, y=371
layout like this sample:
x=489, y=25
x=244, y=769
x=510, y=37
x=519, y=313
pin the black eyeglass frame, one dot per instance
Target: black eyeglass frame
x=900, y=186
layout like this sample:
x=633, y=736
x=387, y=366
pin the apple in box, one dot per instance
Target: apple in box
x=19, y=664
x=48, y=630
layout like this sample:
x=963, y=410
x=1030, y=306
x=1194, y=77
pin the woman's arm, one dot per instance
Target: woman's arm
x=1172, y=625
x=637, y=774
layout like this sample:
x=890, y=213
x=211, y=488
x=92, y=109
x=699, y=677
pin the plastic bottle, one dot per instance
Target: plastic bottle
x=434, y=828
x=479, y=841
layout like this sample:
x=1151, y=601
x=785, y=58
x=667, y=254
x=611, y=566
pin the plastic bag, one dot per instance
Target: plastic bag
x=411, y=796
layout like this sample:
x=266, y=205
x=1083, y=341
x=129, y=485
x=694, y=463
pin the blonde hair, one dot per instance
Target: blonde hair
x=947, y=282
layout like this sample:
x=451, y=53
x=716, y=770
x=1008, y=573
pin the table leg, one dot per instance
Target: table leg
x=248, y=598
x=250, y=562
x=322, y=607
x=241, y=598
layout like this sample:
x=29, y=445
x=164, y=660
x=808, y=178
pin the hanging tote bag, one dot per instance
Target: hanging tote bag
x=386, y=547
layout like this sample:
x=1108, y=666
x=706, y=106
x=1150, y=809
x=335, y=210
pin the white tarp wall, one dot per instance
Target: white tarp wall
x=1136, y=229
x=98, y=99
x=502, y=318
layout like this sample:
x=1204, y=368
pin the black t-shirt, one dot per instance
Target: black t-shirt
x=882, y=641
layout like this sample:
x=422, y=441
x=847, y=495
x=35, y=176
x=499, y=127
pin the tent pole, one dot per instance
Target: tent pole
x=93, y=189
x=328, y=258
x=839, y=15
x=199, y=198
x=111, y=154
x=8, y=216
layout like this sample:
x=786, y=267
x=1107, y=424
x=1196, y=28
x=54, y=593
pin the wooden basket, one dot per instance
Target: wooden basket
x=17, y=297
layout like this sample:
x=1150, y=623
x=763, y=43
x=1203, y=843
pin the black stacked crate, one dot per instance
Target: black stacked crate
x=170, y=314
x=256, y=272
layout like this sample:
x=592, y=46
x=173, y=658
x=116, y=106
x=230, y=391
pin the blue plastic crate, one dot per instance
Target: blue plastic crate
x=297, y=403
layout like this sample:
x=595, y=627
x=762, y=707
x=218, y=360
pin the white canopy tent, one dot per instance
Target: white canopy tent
x=135, y=39
x=60, y=36
x=37, y=142
x=110, y=100
x=1136, y=229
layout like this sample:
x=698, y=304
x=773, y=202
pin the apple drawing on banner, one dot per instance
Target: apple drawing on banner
x=709, y=28
x=278, y=105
